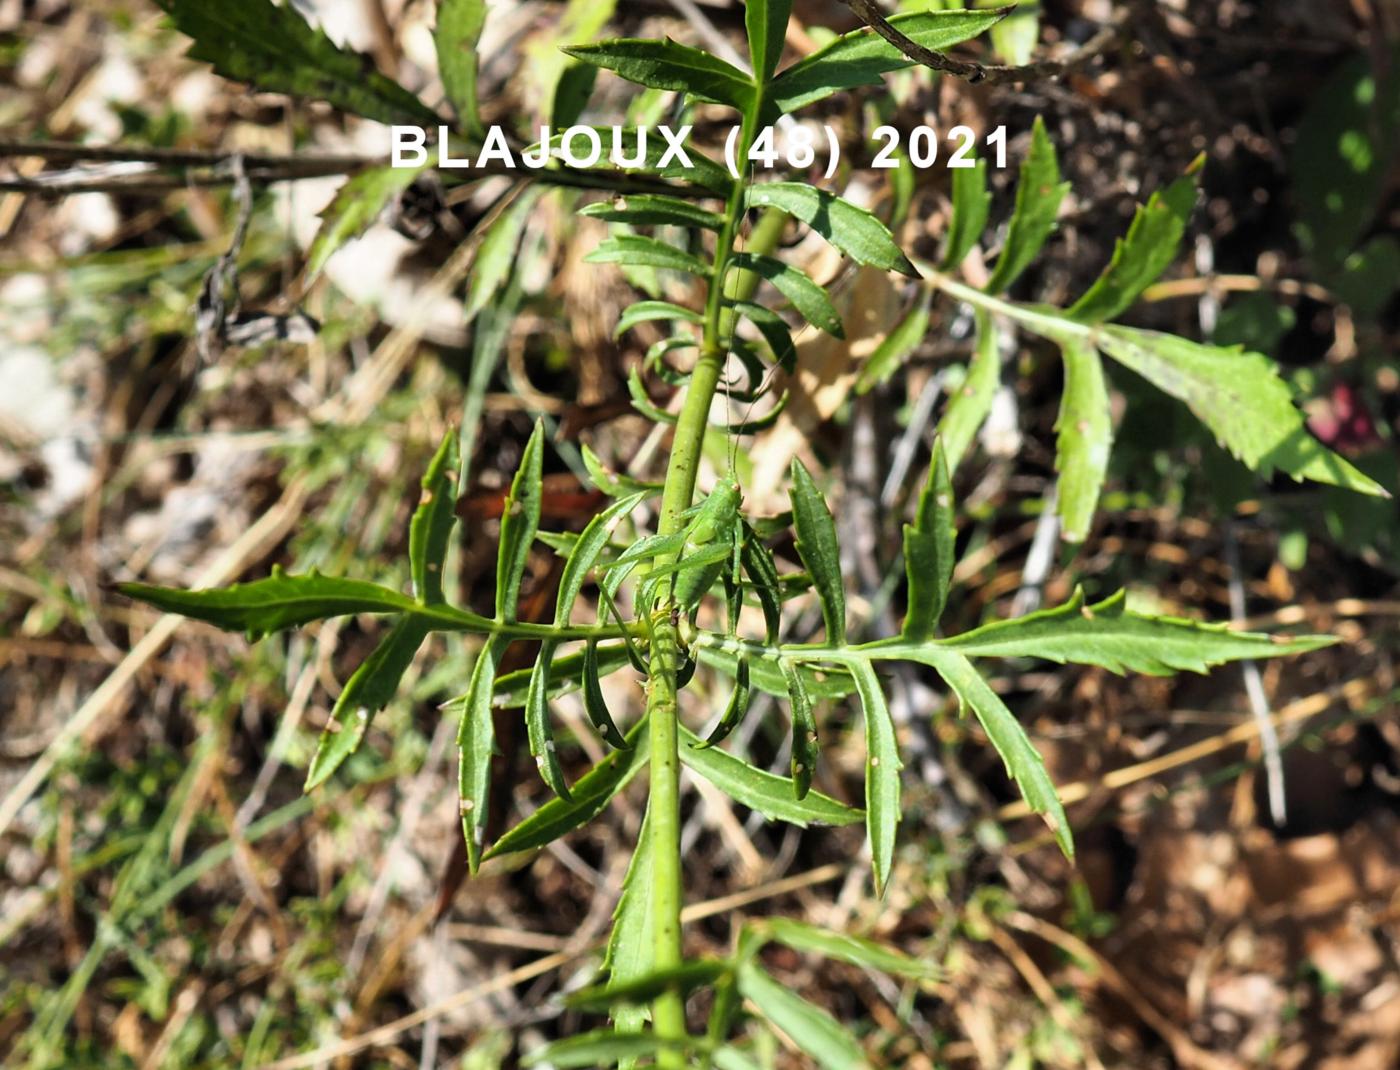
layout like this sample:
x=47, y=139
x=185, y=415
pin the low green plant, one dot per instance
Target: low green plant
x=663, y=596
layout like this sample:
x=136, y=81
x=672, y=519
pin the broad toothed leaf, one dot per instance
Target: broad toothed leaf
x=928, y=550
x=432, y=523
x=1085, y=430
x=1023, y=762
x=861, y=57
x=818, y=548
x=1240, y=397
x=806, y=296
x=852, y=230
x=771, y=795
x=520, y=519
x=1110, y=635
x=882, y=766
x=672, y=66
x=369, y=689
x=273, y=48
x=1140, y=258
x=1038, y=196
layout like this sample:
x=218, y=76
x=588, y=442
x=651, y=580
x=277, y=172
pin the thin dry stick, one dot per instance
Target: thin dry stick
x=391, y=1030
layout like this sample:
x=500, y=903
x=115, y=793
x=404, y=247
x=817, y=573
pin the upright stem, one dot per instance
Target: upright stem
x=668, y=1012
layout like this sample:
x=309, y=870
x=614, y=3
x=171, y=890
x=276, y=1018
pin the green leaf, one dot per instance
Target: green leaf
x=1139, y=259
x=861, y=57
x=571, y=93
x=565, y=675
x=635, y=250
x=594, y=704
x=537, y=726
x=684, y=978
x=459, y=24
x=806, y=296
x=882, y=766
x=929, y=550
x=818, y=548
x=354, y=209
x=972, y=401
x=1240, y=397
x=369, y=689
x=852, y=230
x=771, y=795
x=433, y=520
x=496, y=256
x=613, y=484
x=817, y=1033
x=1110, y=635
x=774, y=330
x=767, y=677
x=631, y=944
x=702, y=171
x=1085, y=429
x=972, y=206
x=602, y=1047
x=273, y=48
x=476, y=740
x=647, y=311
x=520, y=519
x=896, y=347
x=812, y=939
x=736, y=707
x=762, y=570
x=645, y=209
x=584, y=555
x=594, y=790
x=766, y=22
x=668, y=65
x=1038, y=196
x=1023, y=762
x=282, y=600
x=805, y=742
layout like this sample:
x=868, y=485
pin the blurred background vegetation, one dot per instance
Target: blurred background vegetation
x=168, y=898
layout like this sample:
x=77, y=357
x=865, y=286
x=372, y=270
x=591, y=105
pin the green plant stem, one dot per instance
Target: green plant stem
x=668, y=1011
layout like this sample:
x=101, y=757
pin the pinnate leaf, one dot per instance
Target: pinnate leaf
x=972, y=400
x=432, y=522
x=476, y=739
x=635, y=250
x=972, y=206
x=520, y=519
x=647, y=209
x=805, y=743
